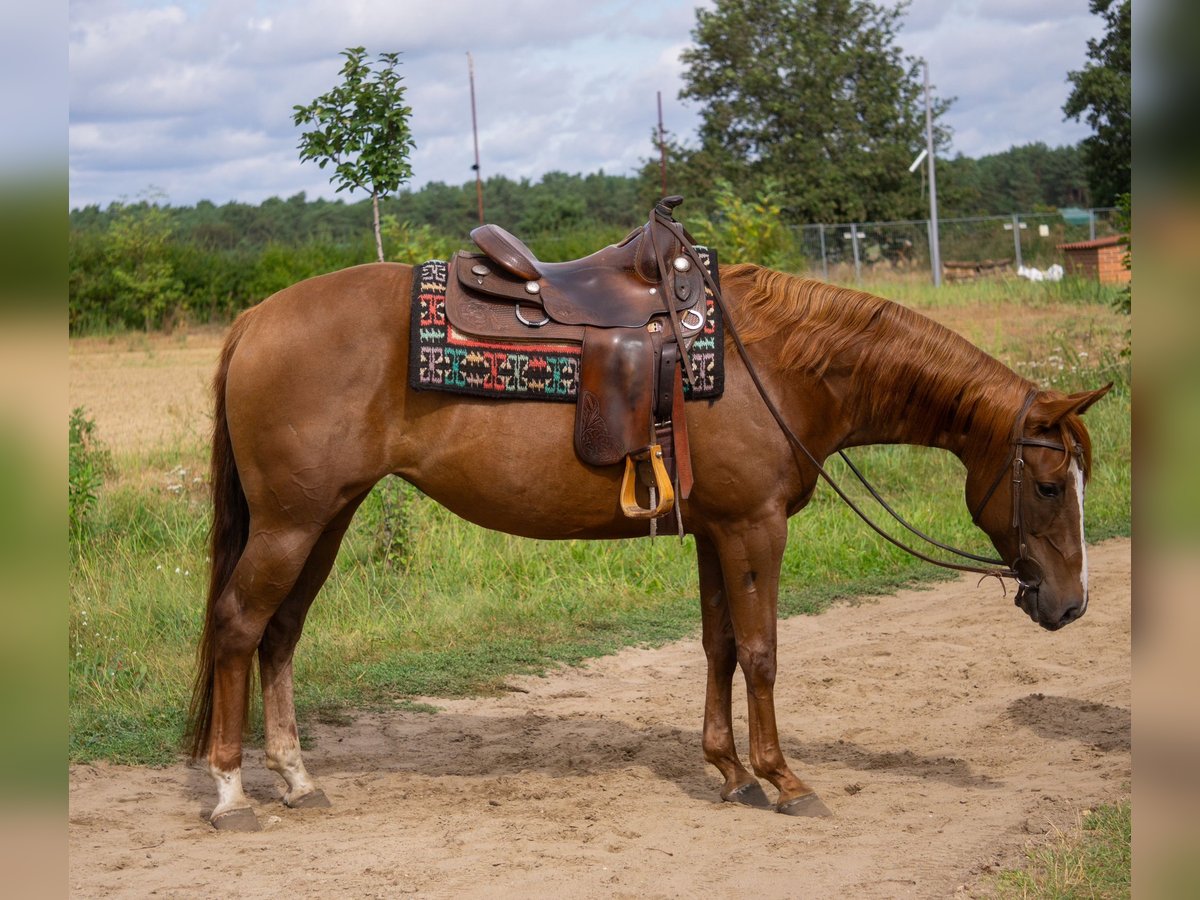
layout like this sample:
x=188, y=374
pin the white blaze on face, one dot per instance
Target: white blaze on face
x=1083, y=565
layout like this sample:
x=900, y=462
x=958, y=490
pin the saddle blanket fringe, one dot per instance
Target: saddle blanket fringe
x=442, y=358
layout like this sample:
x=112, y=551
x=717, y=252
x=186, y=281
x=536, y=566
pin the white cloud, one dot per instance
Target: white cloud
x=1006, y=62
x=196, y=95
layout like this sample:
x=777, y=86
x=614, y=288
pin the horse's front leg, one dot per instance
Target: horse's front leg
x=751, y=555
x=275, y=654
x=721, y=651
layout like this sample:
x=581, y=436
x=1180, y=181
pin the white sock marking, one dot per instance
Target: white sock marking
x=229, y=791
x=286, y=760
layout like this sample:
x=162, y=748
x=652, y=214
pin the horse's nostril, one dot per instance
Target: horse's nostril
x=1071, y=613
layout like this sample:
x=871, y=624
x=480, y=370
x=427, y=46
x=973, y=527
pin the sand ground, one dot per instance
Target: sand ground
x=944, y=729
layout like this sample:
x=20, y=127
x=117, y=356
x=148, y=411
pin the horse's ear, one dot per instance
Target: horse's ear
x=1047, y=413
x=1090, y=397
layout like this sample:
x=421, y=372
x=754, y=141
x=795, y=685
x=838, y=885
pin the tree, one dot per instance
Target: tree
x=813, y=93
x=691, y=171
x=1102, y=92
x=137, y=250
x=362, y=128
x=1020, y=179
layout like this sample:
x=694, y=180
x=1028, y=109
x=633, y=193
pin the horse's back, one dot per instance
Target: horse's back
x=355, y=305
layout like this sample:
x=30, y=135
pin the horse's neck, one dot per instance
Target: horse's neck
x=925, y=385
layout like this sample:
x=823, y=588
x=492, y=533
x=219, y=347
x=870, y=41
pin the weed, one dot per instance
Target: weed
x=386, y=515
x=87, y=463
x=1092, y=861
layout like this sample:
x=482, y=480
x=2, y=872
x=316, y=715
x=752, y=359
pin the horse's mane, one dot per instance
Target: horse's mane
x=948, y=384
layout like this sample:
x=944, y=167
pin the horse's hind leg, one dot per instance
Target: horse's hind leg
x=721, y=651
x=264, y=575
x=275, y=654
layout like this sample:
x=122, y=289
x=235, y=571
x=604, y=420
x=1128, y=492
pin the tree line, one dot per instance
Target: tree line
x=147, y=264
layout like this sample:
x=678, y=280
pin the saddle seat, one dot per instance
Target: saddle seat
x=635, y=307
x=616, y=287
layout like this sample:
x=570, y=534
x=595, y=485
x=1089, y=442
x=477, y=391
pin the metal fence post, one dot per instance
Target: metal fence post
x=937, y=281
x=1091, y=224
x=854, y=243
x=1016, y=227
x=824, y=258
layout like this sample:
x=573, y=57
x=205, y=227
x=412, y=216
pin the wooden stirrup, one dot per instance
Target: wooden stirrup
x=666, y=494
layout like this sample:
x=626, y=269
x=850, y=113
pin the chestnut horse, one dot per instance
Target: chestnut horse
x=313, y=408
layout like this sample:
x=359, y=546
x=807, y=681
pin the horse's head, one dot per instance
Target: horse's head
x=1028, y=497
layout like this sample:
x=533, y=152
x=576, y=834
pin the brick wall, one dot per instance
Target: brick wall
x=1110, y=265
x=1093, y=259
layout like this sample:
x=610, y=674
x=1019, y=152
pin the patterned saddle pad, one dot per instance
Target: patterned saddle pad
x=445, y=358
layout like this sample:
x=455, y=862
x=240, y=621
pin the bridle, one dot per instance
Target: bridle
x=1025, y=570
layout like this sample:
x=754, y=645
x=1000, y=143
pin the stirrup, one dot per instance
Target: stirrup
x=666, y=493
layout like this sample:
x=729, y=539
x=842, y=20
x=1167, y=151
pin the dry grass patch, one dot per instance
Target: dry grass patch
x=146, y=392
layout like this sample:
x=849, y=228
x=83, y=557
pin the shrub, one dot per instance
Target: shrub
x=85, y=471
x=751, y=231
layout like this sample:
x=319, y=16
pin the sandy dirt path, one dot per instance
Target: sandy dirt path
x=944, y=729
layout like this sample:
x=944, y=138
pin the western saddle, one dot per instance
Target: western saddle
x=635, y=308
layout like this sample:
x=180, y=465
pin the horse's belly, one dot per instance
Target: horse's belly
x=511, y=467
x=550, y=505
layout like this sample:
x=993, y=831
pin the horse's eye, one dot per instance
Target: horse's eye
x=1048, y=489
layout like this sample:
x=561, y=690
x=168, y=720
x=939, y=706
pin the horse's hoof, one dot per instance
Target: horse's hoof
x=236, y=820
x=315, y=800
x=804, y=805
x=749, y=794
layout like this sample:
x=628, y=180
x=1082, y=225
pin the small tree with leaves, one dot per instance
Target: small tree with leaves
x=361, y=126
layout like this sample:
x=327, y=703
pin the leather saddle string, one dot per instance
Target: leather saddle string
x=668, y=298
x=797, y=444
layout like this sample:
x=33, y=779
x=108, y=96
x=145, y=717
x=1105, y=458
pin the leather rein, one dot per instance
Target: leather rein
x=1025, y=570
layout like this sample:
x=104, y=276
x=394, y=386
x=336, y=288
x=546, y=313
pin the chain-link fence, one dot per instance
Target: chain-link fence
x=968, y=245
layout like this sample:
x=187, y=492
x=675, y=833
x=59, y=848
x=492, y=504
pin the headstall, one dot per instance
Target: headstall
x=1026, y=570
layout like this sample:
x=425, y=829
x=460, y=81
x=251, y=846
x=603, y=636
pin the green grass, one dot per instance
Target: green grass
x=918, y=292
x=1090, y=862
x=422, y=604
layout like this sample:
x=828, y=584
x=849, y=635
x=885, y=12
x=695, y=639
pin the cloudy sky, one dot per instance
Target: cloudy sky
x=193, y=98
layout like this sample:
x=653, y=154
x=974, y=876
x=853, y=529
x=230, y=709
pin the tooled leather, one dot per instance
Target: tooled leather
x=593, y=441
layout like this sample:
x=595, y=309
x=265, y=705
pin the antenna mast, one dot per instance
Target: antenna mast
x=662, y=147
x=475, y=134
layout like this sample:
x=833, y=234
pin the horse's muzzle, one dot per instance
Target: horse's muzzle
x=1028, y=598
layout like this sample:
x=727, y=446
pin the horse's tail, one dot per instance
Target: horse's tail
x=227, y=539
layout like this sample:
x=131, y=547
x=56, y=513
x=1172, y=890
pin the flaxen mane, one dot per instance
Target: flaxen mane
x=901, y=362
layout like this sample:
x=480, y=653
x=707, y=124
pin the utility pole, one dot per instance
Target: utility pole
x=475, y=133
x=935, y=250
x=662, y=148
